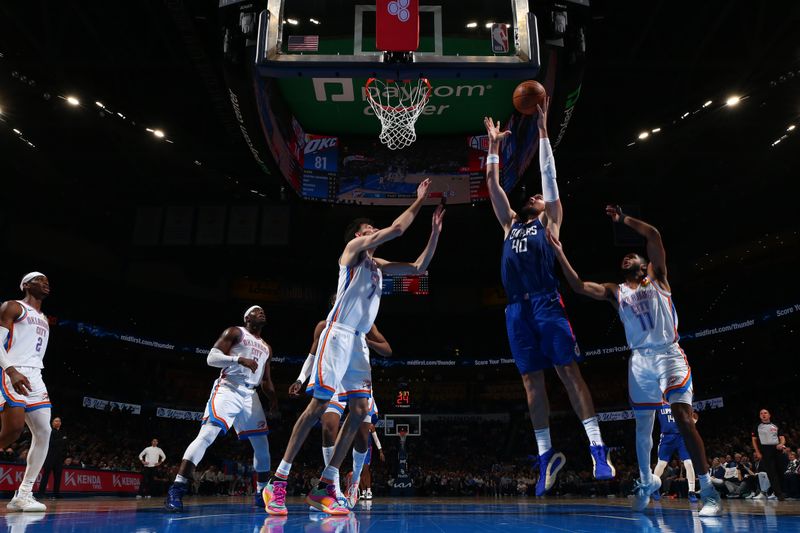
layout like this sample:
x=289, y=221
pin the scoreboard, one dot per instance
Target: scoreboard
x=414, y=285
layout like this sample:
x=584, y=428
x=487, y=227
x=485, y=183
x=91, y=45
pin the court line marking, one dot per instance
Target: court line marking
x=204, y=516
x=610, y=516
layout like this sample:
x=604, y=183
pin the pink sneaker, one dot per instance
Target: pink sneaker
x=275, y=498
x=325, y=500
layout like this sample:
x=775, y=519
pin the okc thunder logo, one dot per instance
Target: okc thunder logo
x=399, y=9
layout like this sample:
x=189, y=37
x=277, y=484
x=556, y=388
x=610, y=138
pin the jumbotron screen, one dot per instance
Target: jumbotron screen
x=415, y=285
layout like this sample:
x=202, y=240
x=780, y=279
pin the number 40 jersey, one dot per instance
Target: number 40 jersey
x=648, y=315
x=27, y=340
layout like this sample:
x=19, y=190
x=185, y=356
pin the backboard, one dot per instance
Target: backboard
x=392, y=423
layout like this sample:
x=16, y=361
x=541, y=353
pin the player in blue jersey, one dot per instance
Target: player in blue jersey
x=671, y=442
x=539, y=332
x=658, y=370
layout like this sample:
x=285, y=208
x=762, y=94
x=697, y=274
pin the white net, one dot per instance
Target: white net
x=398, y=105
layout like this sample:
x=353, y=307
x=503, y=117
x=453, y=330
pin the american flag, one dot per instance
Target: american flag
x=303, y=43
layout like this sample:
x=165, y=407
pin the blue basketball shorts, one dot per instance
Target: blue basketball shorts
x=671, y=443
x=540, y=334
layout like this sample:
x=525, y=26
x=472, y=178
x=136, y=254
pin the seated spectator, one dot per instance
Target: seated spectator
x=791, y=477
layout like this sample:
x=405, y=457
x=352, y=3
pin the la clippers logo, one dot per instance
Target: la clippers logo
x=399, y=9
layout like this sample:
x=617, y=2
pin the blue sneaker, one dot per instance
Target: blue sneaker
x=258, y=498
x=601, y=459
x=692, y=497
x=175, y=496
x=550, y=464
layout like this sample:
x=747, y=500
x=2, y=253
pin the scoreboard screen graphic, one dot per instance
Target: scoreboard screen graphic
x=414, y=285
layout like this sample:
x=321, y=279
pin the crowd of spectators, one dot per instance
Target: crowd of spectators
x=493, y=458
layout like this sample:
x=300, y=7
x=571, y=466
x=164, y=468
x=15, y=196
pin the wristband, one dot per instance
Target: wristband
x=622, y=218
x=493, y=159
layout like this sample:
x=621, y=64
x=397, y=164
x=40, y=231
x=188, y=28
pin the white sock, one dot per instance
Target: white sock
x=38, y=422
x=660, y=467
x=180, y=479
x=331, y=473
x=327, y=453
x=644, y=442
x=705, y=481
x=358, y=465
x=283, y=469
x=592, y=427
x=543, y=440
x=689, y=474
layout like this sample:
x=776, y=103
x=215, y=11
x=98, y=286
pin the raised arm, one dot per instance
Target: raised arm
x=378, y=342
x=267, y=387
x=9, y=312
x=420, y=266
x=598, y=291
x=502, y=208
x=656, y=255
x=553, y=212
x=397, y=228
x=219, y=355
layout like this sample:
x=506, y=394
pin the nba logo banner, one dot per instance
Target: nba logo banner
x=499, y=38
x=397, y=25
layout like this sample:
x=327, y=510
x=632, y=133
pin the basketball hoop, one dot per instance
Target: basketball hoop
x=403, y=434
x=398, y=105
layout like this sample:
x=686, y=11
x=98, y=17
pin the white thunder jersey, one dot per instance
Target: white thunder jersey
x=648, y=315
x=27, y=340
x=358, y=295
x=250, y=347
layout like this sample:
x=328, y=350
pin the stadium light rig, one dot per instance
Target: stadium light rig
x=732, y=101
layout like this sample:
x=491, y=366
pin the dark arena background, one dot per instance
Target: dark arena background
x=168, y=164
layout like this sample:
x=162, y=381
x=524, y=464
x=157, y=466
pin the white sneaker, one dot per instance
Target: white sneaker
x=642, y=492
x=760, y=496
x=368, y=494
x=138, y=496
x=25, y=502
x=712, y=504
x=772, y=497
x=352, y=495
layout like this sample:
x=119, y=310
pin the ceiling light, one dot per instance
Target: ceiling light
x=313, y=21
x=100, y=105
x=790, y=128
x=158, y=133
x=685, y=115
x=17, y=131
x=655, y=130
x=708, y=103
x=489, y=24
x=732, y=101
x=472, y=25
x=71, y=100
x=293, y=22
x=644, y=135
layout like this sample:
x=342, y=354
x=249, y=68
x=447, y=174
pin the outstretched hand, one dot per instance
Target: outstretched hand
x=496, y=135
x=437, y=219
x=615, y=212
x=422, y=190
x=541, y=119
x=294, y=389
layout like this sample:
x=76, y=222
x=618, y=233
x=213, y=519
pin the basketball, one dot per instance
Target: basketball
x=527, y=96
